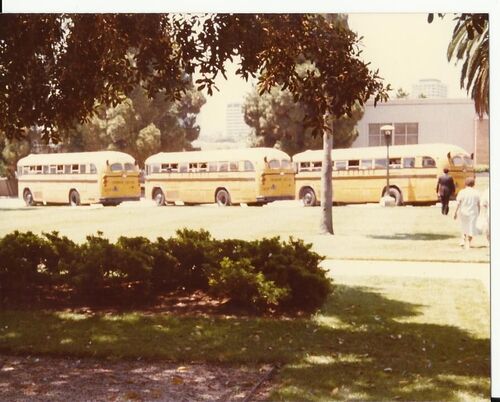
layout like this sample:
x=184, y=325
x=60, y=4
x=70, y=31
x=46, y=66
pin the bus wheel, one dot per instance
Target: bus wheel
x=159, y=197
x=396, y=194
x=28, y=198
x=222, y=198
x=308, y=197
x=74, y=198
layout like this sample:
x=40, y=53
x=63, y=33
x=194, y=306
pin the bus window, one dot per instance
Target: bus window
x=248, y=166
x=304, y=166
x=93, y=169
x=274, y=164
x=380, y=163
x=39, y=169
x=174, y=167
x=45, y=169
x=395, y=163
x=193, y=167
x=19, y=170
x=428, y=162
x=286, y=164
x=67, y=169
x=212, y=166
x=366, y=163
x=203, y=166
x=183, y=167
x=468, y=161
x=83, y=169
x=353, y=165
x=75, y=168
x=408, y=162
x=233, y=166
x=223, y=166
x=116, y=167
x=316, y=166
x=53, y=169
x=340, y=165
x=26, y=169
x=457, y=160
x=129, y=167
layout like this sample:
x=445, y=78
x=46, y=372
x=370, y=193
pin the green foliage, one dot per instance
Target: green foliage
x=139, y=125
x=23, y=265
x=470, y=45
x=242, y=283
x=60, y=66
x=277, y=120
x=256, y=275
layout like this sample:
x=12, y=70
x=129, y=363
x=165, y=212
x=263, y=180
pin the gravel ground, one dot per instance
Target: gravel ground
x=59, y=379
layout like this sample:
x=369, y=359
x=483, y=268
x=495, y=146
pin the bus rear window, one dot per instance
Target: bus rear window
x=468, y=161
x=274, y=164
x=116, y=167
x=129, y=167
x=457, y=160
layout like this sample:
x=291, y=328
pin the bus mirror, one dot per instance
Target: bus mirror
x=448, y=155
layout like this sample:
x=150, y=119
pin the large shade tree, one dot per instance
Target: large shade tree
x=54, y=69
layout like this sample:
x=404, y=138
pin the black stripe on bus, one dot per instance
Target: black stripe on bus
x=347, y=177
x=59, y=181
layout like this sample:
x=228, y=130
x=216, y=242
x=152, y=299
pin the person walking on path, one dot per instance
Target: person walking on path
x=445, y=189
x=485, y=205
x=468, y=207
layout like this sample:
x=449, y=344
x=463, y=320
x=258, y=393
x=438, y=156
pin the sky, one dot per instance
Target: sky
x=403, y=46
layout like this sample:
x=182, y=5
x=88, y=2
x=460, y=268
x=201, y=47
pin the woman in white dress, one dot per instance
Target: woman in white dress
x=468, y=207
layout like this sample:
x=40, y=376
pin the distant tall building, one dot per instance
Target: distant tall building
x=236, y=128
x=430, y=88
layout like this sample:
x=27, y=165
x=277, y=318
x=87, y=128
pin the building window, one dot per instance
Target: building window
x=375, y=137
x=404, y=133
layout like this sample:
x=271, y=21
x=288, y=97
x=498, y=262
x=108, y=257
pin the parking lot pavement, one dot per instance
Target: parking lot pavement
x=448, y=270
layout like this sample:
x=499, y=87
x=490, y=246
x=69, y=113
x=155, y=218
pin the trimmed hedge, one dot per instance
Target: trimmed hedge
x=256, y=275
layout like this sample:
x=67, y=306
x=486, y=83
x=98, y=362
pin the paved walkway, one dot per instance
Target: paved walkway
x=449, y=270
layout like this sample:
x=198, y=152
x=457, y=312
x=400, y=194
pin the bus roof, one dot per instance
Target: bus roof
x=221, y=155
x=432, y=150
x=99, y=158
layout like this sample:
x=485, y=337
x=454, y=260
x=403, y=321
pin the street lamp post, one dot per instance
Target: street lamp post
x=387, y=131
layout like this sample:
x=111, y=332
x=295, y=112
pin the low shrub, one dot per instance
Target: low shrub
x=261, y=274
x=244, y=285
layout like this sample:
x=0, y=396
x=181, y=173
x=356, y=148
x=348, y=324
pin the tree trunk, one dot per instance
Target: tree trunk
x=326, y=225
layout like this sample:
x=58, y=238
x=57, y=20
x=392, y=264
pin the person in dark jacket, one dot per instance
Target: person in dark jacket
x=445, y=189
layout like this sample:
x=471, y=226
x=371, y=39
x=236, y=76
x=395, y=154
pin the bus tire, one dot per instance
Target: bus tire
x=308, y=197
x=28, y=198
x=74, y=198
x=396, y=194
x=159, y=197
x=222, y=198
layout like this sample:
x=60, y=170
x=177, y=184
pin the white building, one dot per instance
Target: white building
x=236, y=127
x=426, y=121
x=429, y=88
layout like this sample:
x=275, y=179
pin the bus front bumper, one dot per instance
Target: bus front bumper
x=118, y=199
x=262, y=198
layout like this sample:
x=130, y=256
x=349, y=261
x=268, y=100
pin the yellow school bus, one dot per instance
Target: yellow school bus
x=359, y=175
x=106, y=177
x=225, y=177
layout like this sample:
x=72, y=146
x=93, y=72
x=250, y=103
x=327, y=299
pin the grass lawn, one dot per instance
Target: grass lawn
x=376, y=338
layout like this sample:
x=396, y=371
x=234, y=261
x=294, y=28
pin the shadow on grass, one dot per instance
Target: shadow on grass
x=354, y=349
x=413, y=236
